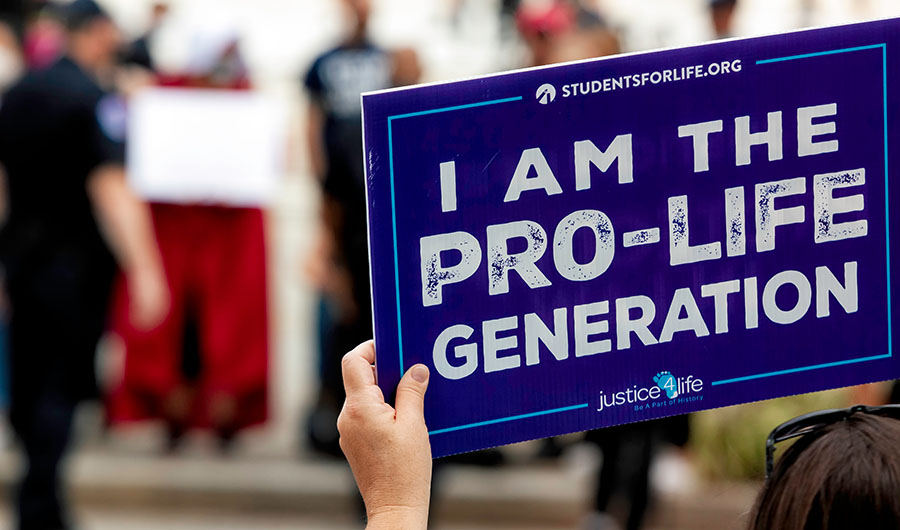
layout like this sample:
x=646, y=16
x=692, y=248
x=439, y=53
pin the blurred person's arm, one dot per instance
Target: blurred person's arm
x=321, y=264
x=315, y=121
x=873, y=394
x=387, y=448
x=4, y=196
x=125, y=223
x=315, y=131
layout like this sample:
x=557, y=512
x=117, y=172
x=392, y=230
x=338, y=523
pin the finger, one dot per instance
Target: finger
x=357, y=368
x=411, y=394
x=367, y=350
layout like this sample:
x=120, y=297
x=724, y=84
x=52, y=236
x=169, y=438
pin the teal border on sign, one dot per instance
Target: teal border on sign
x=391, y=120
x=393, y=195
x=509, y=418
x=890, y=353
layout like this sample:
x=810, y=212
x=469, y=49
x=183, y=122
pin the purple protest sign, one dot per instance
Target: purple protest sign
x=585, y=245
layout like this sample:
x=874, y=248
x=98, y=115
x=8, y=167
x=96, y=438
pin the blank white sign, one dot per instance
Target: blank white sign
x=189, y=146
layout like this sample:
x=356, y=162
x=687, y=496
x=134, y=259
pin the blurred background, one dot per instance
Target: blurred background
x=188, y=432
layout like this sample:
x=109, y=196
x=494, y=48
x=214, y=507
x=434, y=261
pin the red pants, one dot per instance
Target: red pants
x=215, y=263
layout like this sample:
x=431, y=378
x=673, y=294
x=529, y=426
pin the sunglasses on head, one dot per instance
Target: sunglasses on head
x=816, y=421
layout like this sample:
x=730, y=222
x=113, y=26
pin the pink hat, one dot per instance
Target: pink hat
x=545, y=18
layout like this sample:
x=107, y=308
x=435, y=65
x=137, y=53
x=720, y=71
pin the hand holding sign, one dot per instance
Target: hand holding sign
x=388, y=449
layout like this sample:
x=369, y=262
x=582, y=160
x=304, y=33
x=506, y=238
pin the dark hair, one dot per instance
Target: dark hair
x=844, y=477
x=78, y=14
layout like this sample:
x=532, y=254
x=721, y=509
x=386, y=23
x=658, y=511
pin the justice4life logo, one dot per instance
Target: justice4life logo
x=668, y=383
x=546, y=94
x=666, y=390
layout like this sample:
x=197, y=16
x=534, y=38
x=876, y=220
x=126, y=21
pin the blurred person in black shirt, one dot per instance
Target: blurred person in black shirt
x=71, y=218
x=340, y=266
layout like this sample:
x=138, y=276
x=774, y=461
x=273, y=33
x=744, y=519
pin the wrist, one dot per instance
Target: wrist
x=149, y=266
x=398, y=518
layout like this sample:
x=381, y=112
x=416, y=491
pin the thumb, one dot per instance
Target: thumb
x=411, y=394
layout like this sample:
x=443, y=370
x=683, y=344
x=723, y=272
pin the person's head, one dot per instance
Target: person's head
x=93, y=38
x=158, y=12
x=359, y=12
x=722, y=12
x=407, y=69
x=542, y=25
x=844, y=476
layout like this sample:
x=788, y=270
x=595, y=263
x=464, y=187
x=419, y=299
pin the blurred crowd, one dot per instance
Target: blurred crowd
x=185, y=285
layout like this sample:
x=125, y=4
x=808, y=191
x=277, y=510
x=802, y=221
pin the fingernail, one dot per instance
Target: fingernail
x=420, y=373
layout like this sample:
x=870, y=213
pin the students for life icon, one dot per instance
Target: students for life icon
x=546, y=94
